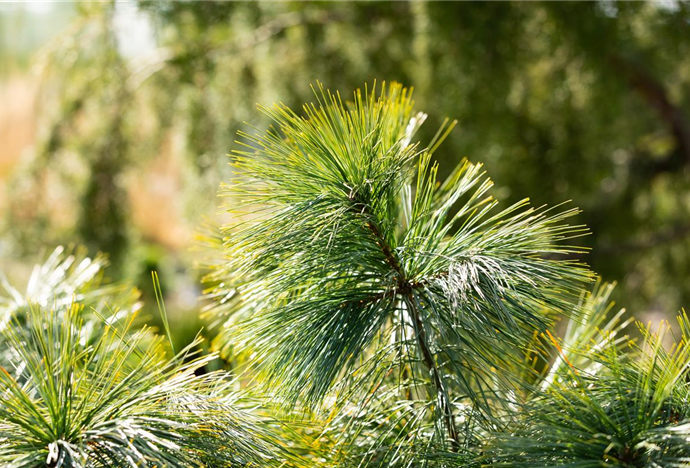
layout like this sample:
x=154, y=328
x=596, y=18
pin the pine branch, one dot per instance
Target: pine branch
x=350, y=270
x=630, y=409
x=67, y=275
x=113, y=400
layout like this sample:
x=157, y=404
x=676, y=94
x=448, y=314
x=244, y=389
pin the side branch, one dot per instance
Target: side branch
x=391, y=259
x=430, y=362
x=405, y=288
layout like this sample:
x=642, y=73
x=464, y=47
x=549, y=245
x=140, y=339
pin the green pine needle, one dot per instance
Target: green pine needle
x=351, y=270
x=114, y=402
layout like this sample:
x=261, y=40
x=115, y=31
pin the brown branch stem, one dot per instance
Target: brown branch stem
x=430, y=362
x=405, y=288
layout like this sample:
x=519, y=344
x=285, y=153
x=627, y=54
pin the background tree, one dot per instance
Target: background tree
x=587, y=102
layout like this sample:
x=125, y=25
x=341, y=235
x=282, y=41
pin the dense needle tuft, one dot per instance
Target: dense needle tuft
x=80, y=389
x=350, y=269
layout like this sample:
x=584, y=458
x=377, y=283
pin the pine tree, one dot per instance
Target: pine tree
x=362, y=286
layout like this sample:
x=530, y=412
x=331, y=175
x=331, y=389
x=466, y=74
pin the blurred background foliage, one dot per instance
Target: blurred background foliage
x=116, y=119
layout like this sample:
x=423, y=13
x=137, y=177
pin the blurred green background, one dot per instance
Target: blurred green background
x=116, y=119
